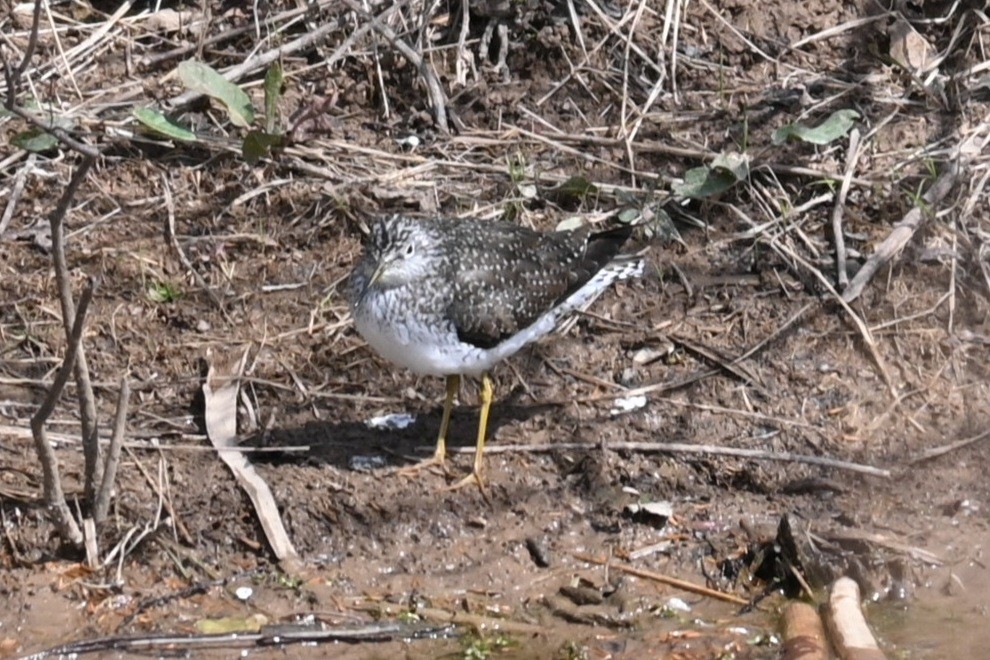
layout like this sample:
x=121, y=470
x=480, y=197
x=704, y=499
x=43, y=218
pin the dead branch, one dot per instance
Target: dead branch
x=102, y=501
x=59, y=133
x=902, y=232
x=842, y=274
x=13, y=76
x=84, y=386
x=935, y=452
x=804, y=634
x=276, y=636
x=66, y=525
x=680, y=448
x=233, y=33
x=850, y=634
x=663, y=579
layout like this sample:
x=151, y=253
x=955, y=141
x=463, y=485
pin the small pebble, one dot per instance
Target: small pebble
x=538, y=552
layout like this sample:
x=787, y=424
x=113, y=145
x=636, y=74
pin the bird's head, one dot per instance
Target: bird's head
x=401, y=251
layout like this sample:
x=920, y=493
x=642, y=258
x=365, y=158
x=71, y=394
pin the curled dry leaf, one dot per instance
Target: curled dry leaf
x=909, y=49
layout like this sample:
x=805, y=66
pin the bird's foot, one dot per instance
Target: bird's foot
x=437, y=460
x=473, y=478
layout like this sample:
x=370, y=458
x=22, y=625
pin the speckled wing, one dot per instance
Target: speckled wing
x=508, y=276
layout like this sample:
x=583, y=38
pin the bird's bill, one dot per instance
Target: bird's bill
x=377, y=275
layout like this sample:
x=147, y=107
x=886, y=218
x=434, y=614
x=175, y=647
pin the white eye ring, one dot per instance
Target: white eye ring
x=409, y=250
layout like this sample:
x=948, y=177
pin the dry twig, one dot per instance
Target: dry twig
x=66, y=525
x=680, y=448
x=852, y=155
x=902, y=232
x=101, y=503
x=683, y=585
x=84, y=386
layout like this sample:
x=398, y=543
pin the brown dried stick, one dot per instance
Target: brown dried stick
x=852, y=155
x=902, y=233
x=227, y=35
x=850, y=633
x=84, y=386
x=681, y=448
x=864, y=331
x=665, y=579
x=102, y=503
x=804, y=634
x=13, y=76
x=66, y=525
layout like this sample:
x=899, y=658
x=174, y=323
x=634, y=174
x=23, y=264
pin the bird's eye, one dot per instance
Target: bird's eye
x=408, y=252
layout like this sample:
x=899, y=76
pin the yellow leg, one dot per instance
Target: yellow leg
x=486, y=404
x=440, y=455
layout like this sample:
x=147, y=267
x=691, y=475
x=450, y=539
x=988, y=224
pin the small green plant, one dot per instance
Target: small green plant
x=288, y=581
x=834, y=127
x=573, y=651
x=163, y=292
x=37, y=139
x=711, y=180
x=409, y=616
x=202, y=78
x=482, y=648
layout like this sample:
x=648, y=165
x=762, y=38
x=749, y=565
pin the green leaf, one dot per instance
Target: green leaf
x=629, y=216
x=837, y=125
x=258, y=144
x=199, y=77
x=701, y=182
x=161, y=124
x=273, y=92
x=163, y=292
x=576, y=188
x=735, y=164
x=36, y=140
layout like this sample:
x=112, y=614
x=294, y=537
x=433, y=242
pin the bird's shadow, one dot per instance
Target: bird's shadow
x=354, y=445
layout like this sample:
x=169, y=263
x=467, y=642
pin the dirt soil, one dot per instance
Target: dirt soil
x=260, y=259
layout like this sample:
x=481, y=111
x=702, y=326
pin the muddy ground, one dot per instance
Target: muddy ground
x=260, y=260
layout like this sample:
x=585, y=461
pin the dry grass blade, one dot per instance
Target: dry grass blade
x=842, y=276
x=942, y=450
x=101, y=503
x=902, y=232
x=681, y=448
x=438, y=99
x=220, y=391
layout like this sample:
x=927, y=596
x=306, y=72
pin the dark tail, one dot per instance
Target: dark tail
x=601, y=248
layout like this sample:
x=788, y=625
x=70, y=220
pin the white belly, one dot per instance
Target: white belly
x=436, y=350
